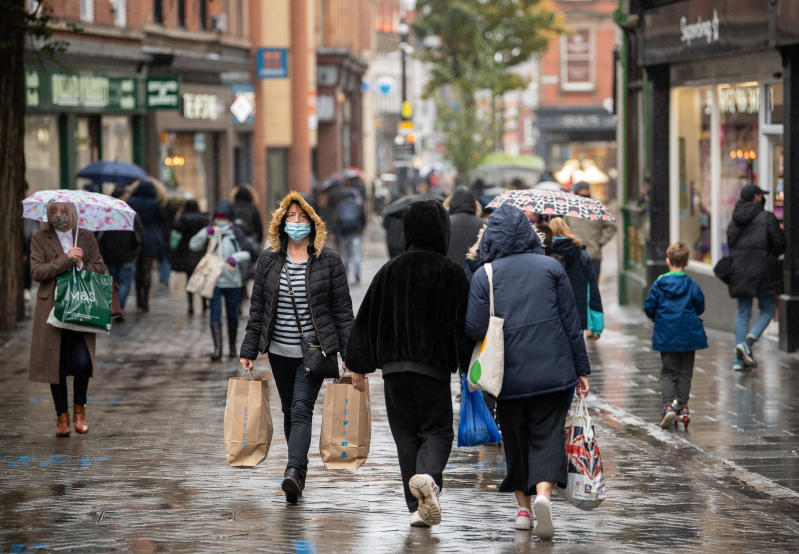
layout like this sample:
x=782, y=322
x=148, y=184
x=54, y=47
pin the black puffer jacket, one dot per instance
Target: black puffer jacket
x=464, y=225
x=325, y=280
x=145, y=203
x=183, y=258
x=755, y=241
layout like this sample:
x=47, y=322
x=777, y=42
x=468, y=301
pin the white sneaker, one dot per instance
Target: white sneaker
x=543, y=517
x=417, y=521
x=524, y=519
x=426, y=491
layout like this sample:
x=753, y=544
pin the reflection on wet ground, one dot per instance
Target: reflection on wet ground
x=151, y=475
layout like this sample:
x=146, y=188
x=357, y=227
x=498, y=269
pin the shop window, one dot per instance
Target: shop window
x=87, y=148
x=277, y=176
x=41, y=152
x=694, y=170
x=117, y=138
x=776, y=105
x=577, y=60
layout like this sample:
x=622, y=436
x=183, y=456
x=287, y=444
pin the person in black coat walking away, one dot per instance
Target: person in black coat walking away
x=144, y=201
x=248, y=219
x=544, y=353
x=569, y=250
x=464, y=223
x=297, y=261
x=410, y=324
x=188, y=222
x=755, y=241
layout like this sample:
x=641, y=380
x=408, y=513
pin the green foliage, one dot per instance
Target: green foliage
x=37, y=25
x=480, y=42
x=467, y=136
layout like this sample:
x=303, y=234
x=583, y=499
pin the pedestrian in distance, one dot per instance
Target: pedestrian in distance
x=143, y=199
x=297, y=263
x=231, y=246
x=593, y=234
x=120, y=250
x=410, y=324
x=188, y=222
x=350, y=223
x=464, y=223
x=545, y=357
x=57, y=353
x=568, y=249
x=675, y=303
x=248, y=218
x=755, y=241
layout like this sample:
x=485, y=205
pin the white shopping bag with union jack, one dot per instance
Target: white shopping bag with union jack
x=585, y=485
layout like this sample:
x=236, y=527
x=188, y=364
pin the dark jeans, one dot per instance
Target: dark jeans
x=419, y=410
x=231, y=305
x=535, y=446
x=675, y=377
x=74, y=360
x=144, y=268
x=123, y=274
x=297, y=398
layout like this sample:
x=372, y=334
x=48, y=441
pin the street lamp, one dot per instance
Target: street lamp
x=404, y=30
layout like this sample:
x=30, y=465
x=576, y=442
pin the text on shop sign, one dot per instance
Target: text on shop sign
x=200, y=106
x=46, y=89
x=708, y=30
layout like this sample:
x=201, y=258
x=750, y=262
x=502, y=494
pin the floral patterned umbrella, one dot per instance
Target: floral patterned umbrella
x=96, y=212
x=553, y=203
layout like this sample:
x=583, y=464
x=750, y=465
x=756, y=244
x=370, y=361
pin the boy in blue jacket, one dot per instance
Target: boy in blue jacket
x=675, y=303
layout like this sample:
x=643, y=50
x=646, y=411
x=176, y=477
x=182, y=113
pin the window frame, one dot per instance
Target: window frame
x=579, y=86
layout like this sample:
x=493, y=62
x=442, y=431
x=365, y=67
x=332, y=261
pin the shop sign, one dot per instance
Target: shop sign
x=243, y=106
x=694, y=29
x=49, y=90
x=200, y=106
x=163, y=93
x=272, y=63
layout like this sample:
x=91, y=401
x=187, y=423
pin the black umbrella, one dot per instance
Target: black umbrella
x=401, y=204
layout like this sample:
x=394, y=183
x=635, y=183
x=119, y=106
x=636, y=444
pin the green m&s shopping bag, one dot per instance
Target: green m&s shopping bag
x=84, y=297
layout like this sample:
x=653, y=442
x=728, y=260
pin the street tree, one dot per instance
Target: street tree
x=16, y=26
x=478, y=44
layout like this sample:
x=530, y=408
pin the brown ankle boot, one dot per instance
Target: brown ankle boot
x=63, y=425
x=79, y=419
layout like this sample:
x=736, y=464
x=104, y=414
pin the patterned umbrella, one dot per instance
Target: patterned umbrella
x=553, y=203
x=96, y=212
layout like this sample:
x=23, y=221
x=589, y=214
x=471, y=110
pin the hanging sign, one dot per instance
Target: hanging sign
x=272, y=63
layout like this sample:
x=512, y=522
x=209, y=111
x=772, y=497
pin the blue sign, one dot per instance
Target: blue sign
x=272, y=63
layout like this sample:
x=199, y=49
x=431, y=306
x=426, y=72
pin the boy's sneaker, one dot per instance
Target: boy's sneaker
x=543, y=518
x=738, y=365
x=417, y=521
x=745, y=353
x=668, y=417
x=524, y=519
x=424, y=488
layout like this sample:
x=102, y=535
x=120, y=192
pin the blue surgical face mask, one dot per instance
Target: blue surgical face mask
x=298, y=231
x=222, y=222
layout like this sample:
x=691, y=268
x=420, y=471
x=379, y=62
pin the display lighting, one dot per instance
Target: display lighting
x=174, y=161
x=745, y=154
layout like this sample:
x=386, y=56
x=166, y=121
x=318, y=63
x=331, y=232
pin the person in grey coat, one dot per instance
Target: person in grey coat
x=231, y=247
x=593, y=234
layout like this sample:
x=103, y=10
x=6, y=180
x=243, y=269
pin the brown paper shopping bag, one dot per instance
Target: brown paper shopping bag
x=346, y=426
x=248, y=421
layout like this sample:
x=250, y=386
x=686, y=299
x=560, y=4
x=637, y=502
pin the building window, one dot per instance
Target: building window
x=182, y=13
x=87, y=10
x=119, y=7
x=158, y=11
x=203, y=14
x=577, y=61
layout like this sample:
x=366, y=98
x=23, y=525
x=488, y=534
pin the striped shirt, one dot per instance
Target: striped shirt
x=285, y=340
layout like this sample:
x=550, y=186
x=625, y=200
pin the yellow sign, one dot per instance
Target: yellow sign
x=404, y=127
x=407, y=110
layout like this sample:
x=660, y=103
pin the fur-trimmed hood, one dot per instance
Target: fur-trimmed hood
x=277, y=236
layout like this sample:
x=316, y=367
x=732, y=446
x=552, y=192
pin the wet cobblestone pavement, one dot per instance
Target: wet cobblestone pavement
x=151, y=475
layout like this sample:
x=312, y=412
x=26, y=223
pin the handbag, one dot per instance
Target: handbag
x=116, y=305
x=585, y=481
x=487, y=364
x=84, y=298
x=723, y=269
x=206, y=274
x=476, y=425
x=318, y=363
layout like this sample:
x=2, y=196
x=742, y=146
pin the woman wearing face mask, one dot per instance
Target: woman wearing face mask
x=298, y=260
x=232, y=247
x=56, y=353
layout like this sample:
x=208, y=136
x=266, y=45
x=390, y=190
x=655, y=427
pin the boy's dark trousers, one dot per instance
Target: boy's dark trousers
x=419, y=410
x=678, y=369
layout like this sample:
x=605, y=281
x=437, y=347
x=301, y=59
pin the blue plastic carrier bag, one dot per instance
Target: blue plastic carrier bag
x=476, y=424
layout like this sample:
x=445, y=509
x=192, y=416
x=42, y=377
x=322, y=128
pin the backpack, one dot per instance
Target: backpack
x=349, y=215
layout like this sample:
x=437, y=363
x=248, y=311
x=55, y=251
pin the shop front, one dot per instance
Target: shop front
x=194, y=150
x=716, y=116
x=74, y=117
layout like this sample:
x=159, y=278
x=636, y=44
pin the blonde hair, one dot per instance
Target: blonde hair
x=72, y=212
x=560, y=228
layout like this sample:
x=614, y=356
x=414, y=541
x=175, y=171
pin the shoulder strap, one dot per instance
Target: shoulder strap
x=293, y=302
x=490, y=275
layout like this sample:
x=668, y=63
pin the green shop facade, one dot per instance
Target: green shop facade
x=708, y=102
x=75, y=116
